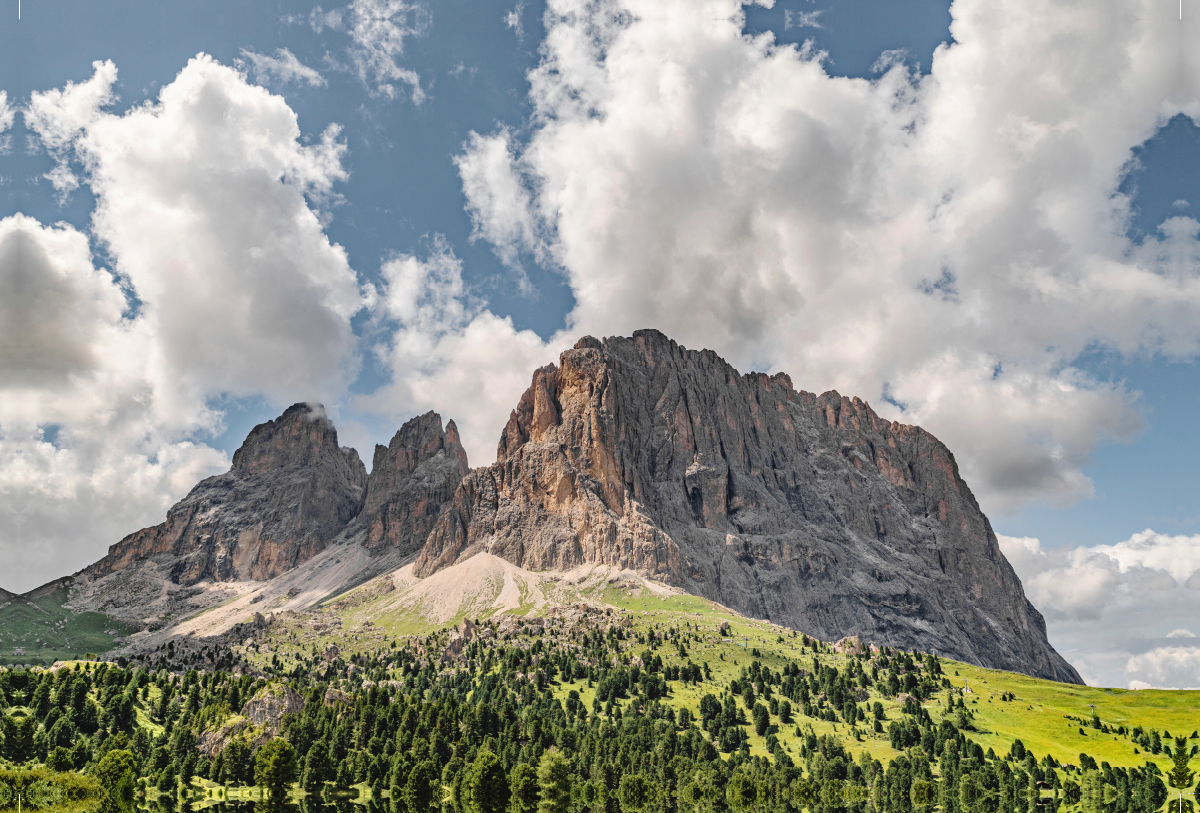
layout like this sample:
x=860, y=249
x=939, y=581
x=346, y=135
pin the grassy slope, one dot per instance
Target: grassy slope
x=1038, y=716
x=64, y=635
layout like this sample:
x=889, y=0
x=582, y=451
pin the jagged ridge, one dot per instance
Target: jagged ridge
x=808, y=510
x=635, y=453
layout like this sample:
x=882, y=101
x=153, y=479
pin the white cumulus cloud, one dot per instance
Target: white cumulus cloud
x=58, y=116
x=203, y=199
x=945, y=246
x=447, y=352
x=1168, y=667
x=1118, y=612
x=88, y=453
x=223, y=282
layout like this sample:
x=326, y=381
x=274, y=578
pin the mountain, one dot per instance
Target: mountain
x=810, y=511
x=291, y=493
x=412, y=478
x=631, y=454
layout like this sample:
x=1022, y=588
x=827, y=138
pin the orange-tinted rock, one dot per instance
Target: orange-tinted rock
x=809, y=510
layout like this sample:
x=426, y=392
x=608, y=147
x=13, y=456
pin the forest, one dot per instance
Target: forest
x=585, y=720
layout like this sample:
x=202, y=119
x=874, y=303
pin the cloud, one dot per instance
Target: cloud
x=1118, y=612
x=7, y=113
x=203, y=199
x=953, y=242
x=59, y=116
x=284, y=67
x=7, y=117
x=801, y=19
x=1168, y=667
x=447, y=352
x=497, y=198
x=223, y=282
x=378, y=29
x=1084, y=582
x=88, y=452
x=55, y=308
x=514, y=20
x=319, y=19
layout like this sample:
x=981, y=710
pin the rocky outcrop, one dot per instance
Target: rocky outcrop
x=260, y=720
x=412, y=479
x=269, y=706
x=290, y=491
x=808, y=510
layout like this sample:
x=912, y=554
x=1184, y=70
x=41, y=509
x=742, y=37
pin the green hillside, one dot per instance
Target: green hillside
x=631, y=699
x=39, y=630
x=1049, y=718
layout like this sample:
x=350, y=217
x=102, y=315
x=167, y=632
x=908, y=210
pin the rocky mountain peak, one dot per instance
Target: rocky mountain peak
x=298, y=437
x=290, y=491
x=809, y=510
x=411, y=479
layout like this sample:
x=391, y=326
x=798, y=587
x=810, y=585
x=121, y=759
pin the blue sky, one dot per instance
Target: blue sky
x=1098, y=447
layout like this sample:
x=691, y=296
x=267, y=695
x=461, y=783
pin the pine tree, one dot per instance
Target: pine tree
x=554, y=782
x=1180, y=776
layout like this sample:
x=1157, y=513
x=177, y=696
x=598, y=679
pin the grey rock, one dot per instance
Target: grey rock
x=412, y=479
x=290, y=491
x=807, y=510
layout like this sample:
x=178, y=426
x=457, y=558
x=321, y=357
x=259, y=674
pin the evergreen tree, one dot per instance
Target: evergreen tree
x=635, y=793
x=59, y=759
x=117, y=778
x=422, y=790
x=741, y=792
x=1180, y=776
x=524, y=788
x=554, y=783
x=274, y=770
x=762, y=719
x=487, y=788
x=18, y=737
x=317, y=769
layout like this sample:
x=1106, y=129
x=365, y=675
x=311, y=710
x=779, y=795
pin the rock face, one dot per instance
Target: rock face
x=262, y=715
x=412, y=478
x=269, y=705
x=808, y=510
x=291, y=490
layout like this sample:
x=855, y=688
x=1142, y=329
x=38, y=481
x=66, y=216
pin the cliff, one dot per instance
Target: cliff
x=290, y=491
x=808, y=510
x=412, y=478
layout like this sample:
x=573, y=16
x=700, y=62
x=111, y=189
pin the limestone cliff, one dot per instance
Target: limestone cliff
x=290, y=491
x=412, y=478
x=809, y=510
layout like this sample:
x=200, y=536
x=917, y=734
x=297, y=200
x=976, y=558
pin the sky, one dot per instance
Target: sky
x=980, y=218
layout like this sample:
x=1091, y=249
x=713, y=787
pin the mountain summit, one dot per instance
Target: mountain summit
x=290, y=491
x=629, y=454
x=807, y=510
